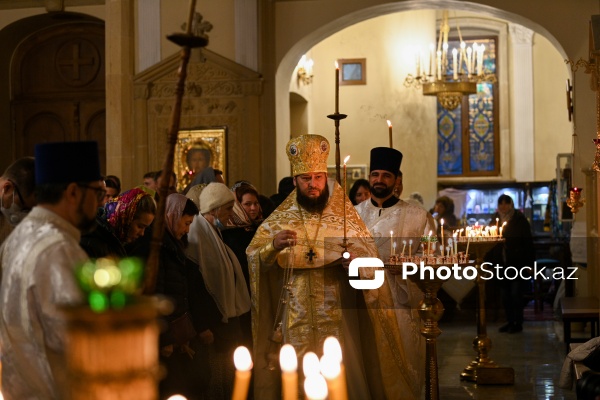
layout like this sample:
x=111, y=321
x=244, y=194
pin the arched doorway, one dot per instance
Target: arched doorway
x=56, y=78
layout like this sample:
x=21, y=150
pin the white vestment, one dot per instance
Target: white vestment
x=37, y=262
x=407, y=222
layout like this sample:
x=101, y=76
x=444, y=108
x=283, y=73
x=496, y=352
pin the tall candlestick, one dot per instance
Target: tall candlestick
x=289, y=374
x=337, y=88
x=390, y=132
x=345, y=194
x=243, y=366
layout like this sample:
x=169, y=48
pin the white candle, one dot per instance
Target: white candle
x=403, y=247
x=462, y=56
x=429, y=242
x=410, y=242
x=451, y=253
x=442, y=231
x=467, y=251
x=243, y=366
x=289, y=374
x=439, y=65
x=431, y=58
x=474, y=58
x=310, y=364
x=469, y=61
x=454, y=64
x=391, y=243
x=480, y=60
x=331, y=370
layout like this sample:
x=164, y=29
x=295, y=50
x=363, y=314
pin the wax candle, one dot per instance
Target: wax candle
x=474, y=58
x=469, y=61
x=390, y=132
x=315, y=387
x=243, y=366
x=451, y=253
x=332, y=347
x=454, y=64
x=337, y=88
x=403, y=247
x=391, y=245
x=431, y=58
x=429, y=242
x=502, y=227
x=442, y=231
x=439, y=65
x=310, y=364
x=289, y=374
x=480, y=60
x=467, y=251
x=410, y=242
x=331, y=370
x=461, y=56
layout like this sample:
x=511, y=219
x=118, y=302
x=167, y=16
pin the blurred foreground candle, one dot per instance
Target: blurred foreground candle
x=243, y=366
x=332, y=347
x=315, y=387
x=289, y=375
x=331, y=370
x=177, y=397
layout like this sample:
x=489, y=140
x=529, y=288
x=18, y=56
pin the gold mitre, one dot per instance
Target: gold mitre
x=308, y=153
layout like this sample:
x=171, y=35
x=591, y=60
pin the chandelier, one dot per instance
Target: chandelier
x=450, y=81
x=305, y=70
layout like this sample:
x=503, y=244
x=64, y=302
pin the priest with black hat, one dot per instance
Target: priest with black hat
x=397, y=226
x=37, y=261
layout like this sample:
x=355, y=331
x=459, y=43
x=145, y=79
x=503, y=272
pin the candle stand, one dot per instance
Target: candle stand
x=482, y=369
x=337, y=117
x=430, y=311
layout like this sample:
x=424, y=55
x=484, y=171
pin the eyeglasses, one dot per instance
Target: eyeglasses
x=23, y=205
x=100, y=193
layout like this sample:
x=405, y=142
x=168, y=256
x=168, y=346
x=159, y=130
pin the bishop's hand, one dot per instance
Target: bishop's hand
x=283, y=239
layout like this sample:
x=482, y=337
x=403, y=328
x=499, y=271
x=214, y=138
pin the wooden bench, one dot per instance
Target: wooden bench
x=579, y=309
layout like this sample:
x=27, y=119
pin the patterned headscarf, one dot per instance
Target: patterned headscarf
x=121, y=210
x=174, y=211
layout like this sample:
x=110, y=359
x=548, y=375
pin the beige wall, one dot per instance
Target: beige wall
x=552, y=127
x=7, y=17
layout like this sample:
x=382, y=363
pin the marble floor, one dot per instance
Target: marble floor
x=536, y=354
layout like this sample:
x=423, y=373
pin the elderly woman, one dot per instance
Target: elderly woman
x=181, y=345
x=222, y=277
x=121, y=221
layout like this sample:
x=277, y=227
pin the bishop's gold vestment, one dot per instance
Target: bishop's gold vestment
x=322, y=302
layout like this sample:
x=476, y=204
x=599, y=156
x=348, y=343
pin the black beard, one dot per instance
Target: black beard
x=314, y=205
x=381, y=193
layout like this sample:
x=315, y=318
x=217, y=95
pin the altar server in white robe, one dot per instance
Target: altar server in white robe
x=38, y=261
x=390, y=220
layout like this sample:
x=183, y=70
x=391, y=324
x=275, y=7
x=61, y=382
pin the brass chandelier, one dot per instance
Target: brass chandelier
x=450, y=82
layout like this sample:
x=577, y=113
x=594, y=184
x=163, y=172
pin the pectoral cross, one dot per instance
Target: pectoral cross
x=310, y=255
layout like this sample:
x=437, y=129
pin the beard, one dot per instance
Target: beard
x=381, y=192
x=313, y=205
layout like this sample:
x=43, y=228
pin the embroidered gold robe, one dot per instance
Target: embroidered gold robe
x=323, y=303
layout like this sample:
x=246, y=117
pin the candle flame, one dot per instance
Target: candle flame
x=442, y=221
x=287, y=358
x=430, y=232
x=346, y=159
x=177, y=397
x=330, y=367
x=389, y=123
x=242, y=359
x=315, y=387
x=310, y=364
x=332, y=347
x=336, y=65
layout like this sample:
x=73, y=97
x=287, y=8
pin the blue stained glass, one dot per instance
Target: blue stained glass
x=481, y=125
x=449, y=141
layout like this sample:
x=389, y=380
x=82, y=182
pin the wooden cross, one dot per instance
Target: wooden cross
x=310, y=255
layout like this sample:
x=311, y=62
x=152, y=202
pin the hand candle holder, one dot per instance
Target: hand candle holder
x=482, y=343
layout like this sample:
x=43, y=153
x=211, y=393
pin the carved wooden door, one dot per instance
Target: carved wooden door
x=57, y=78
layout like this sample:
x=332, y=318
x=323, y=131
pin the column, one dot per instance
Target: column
x=148, y=52
x=521, y=104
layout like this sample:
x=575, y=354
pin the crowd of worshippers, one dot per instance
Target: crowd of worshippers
x=216, y=261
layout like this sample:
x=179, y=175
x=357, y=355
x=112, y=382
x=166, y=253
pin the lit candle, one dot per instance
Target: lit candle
x=337, y=88
x=403, y=247
x=331, y=370
x=310, y=364
x=391, y=243
x=439, y=65
x=462, y=56
x=480, y=49
x=442, y=231
x=243, y=366
x=289, y=374
x=467, y=251
x=497, y=220
x=429, y=242
x=474, y=58
x=454, y=64
x=345, y=194
x=174, y=397
x=410, y=242
x=469, y=61
x=418, y=61
x=451, y=248
x=504, y=223
x=331, y=347
x=315, y=387
x=431, y=58
x=390, y=132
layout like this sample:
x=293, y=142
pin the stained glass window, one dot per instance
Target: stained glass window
x=468, y=139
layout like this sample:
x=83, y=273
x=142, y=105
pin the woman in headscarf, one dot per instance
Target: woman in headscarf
x=222, y=277
x=121, y=221
x=181, y=349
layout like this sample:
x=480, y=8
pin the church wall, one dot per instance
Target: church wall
x=7, y=17
x=551, y=124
